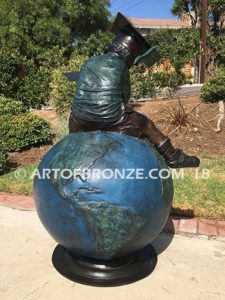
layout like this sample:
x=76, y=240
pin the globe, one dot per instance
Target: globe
x=103, y=195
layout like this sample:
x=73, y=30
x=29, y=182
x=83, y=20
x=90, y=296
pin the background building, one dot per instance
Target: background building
x=150, y=26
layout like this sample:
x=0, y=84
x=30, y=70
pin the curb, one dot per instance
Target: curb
x=19, y=202
x=174, y=225
x=194, y=226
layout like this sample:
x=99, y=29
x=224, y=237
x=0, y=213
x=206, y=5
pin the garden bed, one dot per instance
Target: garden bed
x=200, y=137
x=199, y=193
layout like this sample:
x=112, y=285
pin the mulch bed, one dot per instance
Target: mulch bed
x=197, y=137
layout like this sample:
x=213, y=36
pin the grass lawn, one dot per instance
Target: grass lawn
x=200, y=193
x=9, y=183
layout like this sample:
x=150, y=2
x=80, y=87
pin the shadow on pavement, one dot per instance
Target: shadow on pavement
x=164, y=239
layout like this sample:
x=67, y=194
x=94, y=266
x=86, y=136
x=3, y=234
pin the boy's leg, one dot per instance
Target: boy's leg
x=175, y=158
x=136, y=124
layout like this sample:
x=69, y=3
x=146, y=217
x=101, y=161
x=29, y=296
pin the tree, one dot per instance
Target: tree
x=95, y=44
x=216, y=31
x=37, y=36
x=32, y=27
x=178, y=46
x=192, y=9
x=187, y=8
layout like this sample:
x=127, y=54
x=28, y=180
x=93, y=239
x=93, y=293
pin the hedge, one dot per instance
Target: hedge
x=213, y=90
x=3, y=161
x=11, y=107
x=23, y=131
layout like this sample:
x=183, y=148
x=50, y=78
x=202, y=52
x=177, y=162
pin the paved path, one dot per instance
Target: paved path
x=188, y=267
x=189, y=90
x=174, y=225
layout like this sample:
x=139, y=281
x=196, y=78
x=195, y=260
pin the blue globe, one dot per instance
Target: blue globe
x=104, y=195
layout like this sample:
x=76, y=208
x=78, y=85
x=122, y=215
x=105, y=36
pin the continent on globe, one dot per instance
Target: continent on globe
x=103, y=218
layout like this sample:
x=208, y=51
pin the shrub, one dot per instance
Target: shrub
x=213, y=90
x=10, y=107
x=62, y=128
x=23, y=131
x=61, y=90
x=3, y=161
x=172, y=80
x=145, y=83
x=141, y=83
x=20, y=79
x=34, y=88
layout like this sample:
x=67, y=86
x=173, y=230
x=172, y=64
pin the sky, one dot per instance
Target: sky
x=152, y=9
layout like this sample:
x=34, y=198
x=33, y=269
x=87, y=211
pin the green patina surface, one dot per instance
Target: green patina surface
x=103, y=89
x=88, y=152
x=113, y=226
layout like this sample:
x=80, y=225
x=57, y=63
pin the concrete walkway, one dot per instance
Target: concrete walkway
x=175, y=224
x=188, y=267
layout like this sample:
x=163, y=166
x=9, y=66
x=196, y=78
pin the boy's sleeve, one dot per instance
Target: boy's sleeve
x=126, y=86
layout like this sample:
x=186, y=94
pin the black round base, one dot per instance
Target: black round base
x=104, y=273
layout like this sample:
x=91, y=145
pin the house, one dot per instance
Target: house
x=150, y=26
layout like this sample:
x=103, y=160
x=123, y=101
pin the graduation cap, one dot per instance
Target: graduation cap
x=147, y=54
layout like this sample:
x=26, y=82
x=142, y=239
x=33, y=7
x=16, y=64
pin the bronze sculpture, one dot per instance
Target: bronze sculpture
x=103, y=92
x=104, y=225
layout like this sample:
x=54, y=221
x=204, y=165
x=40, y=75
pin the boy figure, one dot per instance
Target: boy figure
x=103, y=92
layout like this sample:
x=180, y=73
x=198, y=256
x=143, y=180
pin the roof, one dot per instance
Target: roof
x=158, y=23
